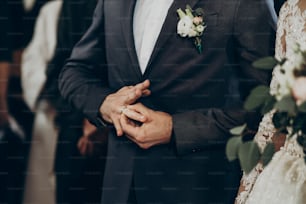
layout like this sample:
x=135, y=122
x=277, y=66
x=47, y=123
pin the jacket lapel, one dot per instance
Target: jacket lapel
x=168, y=28
x=127, y=13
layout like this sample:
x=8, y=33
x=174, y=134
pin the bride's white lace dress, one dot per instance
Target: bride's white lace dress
x=283, y=181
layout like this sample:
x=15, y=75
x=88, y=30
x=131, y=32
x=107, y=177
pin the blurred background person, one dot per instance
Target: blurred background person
x=40, y=179
x=14, y=136
x=80, y=147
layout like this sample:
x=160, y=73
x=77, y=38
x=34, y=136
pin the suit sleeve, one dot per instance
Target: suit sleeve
x=83, y=80
x=251, y=39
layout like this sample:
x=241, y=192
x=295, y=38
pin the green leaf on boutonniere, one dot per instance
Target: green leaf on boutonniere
x=257, y=97
x=266, y=63
x=188, y=7
x=268, y=153
x=199, y=12
x=249, y=155
x=232, y=148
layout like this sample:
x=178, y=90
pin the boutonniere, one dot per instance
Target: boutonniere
x=191, y=25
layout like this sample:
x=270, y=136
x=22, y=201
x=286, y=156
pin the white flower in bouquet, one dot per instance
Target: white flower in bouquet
x=285, y=79
x=298, y=58
x=288, y=104
x=287, y=72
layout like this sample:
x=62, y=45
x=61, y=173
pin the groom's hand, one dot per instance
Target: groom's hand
x=115, y=104
x=155, y=130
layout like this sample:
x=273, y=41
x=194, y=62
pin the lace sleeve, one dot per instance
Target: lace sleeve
x=263, y=136
x=280, y=42
x=266, y=129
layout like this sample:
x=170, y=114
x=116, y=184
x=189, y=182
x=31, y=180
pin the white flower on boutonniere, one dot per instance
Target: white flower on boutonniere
x=191, y=24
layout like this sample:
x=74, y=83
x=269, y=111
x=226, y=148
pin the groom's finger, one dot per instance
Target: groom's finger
x=143, y=88
x=146, y=92
x=117, y=125
x=132, y=95
x=128, y=128
x=140, y=108
x=131, y=114
x=143, y=85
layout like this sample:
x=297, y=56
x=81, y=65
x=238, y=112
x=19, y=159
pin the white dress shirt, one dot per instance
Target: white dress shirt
x=149, y=17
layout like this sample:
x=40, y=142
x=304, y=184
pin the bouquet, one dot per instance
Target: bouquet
x=288, y=103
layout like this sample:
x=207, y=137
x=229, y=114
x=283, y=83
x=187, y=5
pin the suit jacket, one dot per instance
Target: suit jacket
x=202, y=92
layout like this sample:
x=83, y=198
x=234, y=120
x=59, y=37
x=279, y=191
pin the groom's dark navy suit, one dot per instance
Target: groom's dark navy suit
x=200, y=91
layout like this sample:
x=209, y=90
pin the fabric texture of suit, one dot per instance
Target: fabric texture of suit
x=202, y=92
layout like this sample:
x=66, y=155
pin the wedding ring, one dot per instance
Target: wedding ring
x=122, y=109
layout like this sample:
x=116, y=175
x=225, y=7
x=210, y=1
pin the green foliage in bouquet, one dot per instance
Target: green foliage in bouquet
x=288, y=104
